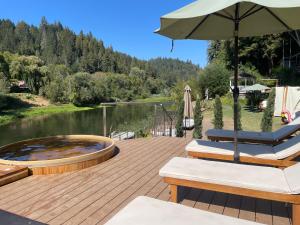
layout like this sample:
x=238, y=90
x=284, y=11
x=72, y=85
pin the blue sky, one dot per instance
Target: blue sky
x=127, y=25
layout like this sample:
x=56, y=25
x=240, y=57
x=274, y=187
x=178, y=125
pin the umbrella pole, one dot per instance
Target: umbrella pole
x=236, y=89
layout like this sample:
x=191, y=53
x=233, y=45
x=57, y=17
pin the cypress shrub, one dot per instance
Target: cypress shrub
x=179, y=122
x=239, y=116
x=267, y=119
x=218, y=113
x=198, y=120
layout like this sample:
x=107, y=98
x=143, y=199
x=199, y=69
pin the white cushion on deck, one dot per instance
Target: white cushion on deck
x=292, y=175
x=237, y=175
x=226, y=148
x=281, y=151
x=148, y=211
x=288, y=148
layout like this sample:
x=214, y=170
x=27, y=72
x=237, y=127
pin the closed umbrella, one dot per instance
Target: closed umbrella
x=225, y=19
x=188, y=108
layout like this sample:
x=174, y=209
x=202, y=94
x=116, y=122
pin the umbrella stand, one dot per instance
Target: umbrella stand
x=236, y=71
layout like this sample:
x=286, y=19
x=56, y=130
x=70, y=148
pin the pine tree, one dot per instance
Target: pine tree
x=198, y=120
x=179, y=123
x=267, y=120
x=218, y=114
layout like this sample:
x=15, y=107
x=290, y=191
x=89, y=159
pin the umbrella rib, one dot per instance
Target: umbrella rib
x=277, y=18
x=249, y=10
x=227, y=13
x=250, y=13
x=198, y=25
x=223, y=16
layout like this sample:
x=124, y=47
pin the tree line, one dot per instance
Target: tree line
x=263, y=56
x=67, y=67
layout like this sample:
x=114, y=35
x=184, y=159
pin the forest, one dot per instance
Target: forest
x=67, y=67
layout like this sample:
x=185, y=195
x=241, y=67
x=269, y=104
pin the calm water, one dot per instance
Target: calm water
x=85, y=122
x=52, y=149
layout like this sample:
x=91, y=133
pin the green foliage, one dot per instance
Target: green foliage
x=4, y=84
x=172, y=71
x=264, y=53
x=218, y=114
x=179, y=119
x=267, y=120
x=215, y=77
x=254, y=99
x=286, y=76
x=198, y=118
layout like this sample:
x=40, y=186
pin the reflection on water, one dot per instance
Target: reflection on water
x=84, y=122
x=52, y=149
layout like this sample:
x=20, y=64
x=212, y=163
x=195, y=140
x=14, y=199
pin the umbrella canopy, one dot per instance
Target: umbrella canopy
x=188, y=108
x=256, y=87
x=220, y=19
x=215, y=19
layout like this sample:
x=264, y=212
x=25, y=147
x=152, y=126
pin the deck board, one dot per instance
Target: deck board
x=93, y=195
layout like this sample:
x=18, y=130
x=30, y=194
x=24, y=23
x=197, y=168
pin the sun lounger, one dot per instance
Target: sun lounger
x=281, y=155
x=246, y=180
x=148, y=211
x=256, y=137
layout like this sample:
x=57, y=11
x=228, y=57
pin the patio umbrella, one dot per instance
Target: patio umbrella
x=256, y=87
x=188, y=108
x=220, y=19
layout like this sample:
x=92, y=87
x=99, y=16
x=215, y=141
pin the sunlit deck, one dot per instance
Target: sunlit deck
x=94, y=195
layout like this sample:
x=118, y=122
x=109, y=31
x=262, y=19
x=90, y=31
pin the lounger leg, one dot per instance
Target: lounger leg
x=174, y=193
x=296, y=214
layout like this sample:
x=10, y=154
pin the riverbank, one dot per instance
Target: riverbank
x=42, y=107
x=9, y=116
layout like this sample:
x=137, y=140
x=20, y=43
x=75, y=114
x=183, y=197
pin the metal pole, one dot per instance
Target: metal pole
x=236, y=89
x=154, y=127
x=104, y=121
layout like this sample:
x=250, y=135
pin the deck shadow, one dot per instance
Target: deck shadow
x=8, y=218
x=272, y=208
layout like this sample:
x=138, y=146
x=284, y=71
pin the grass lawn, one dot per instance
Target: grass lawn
x=9, y=116
x=250, y=120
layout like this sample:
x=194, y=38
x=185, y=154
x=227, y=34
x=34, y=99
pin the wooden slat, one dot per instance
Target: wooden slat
x=94, y=195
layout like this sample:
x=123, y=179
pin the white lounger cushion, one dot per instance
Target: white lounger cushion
x=281, y=151
x=237, y=175
x=288, y=148
x=252, y=135
x=148, y=211
x=292, y=175
x=226, y=148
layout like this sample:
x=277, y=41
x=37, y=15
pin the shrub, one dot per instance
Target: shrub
x=215, y=77
x=218, y=114
x=198, y=120
x=4, y=84
x=267, y=119
x=179, y=125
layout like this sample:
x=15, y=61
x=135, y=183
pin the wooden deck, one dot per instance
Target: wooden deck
x=94, y=195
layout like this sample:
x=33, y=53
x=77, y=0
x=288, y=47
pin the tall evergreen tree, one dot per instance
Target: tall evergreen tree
x=179, y=119
x=267, y=119
x=198, y=118
x=218, y=113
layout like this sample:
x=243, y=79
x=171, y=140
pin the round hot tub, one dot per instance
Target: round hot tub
x=58, y=154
